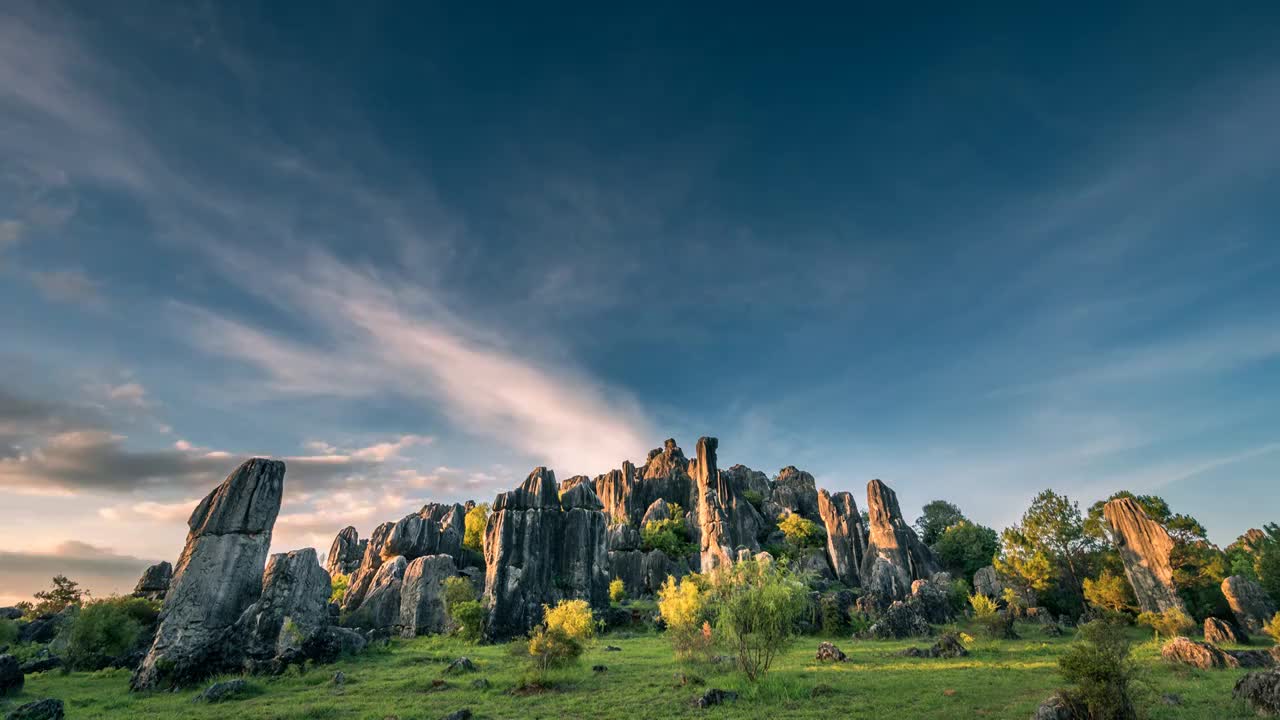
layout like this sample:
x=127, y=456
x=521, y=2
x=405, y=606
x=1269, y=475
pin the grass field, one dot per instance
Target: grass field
x=1006, y=679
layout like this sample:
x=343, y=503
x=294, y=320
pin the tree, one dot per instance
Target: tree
x=801, y=532
x=1110, y=592
x=64, y=593
x=758, y=604
x=965, y=548
x=938, y=516
x=476, y=521
x=1182, y=528
x=1101, y=669
x=1049, y=550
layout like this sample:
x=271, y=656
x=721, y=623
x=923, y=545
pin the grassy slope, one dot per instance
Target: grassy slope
x=999, y=680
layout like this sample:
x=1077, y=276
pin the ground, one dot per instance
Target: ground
x=1006, y=679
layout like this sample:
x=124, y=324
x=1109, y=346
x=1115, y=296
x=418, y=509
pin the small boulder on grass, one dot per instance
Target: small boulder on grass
x=461, y=665
x=11, y=676
x=221, y=691
x=828, y=652
x=948, y=646
x=1221, y=632
x=1260, y=691
x=463, y=714
x=715, y=696
x=47, y=709
x=1061, y=706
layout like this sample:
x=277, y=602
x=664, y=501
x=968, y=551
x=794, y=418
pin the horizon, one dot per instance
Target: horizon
x=416, y=254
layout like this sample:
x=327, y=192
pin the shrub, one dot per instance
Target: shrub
x=801, y=532
x=1014, y=602
x=104, y=632
x=671, y=536
x=340, y=584
x=8, y=631
x=1102, y=672
x=1167, y=624
x=474, y=525
x=1109, y=592
x=683, y=607
x=860, y=622
x=561, y=637
x=833, y=617
x=758, y=605
x=983, y=606
x=458, y=590
x=573, y=617
x=997, y=625
x=466, y=614
x=755, y=498
x=958, y=595
x=1272, y=628
x=617, y=590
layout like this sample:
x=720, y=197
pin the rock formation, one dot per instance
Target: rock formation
x=1206, y=656
x=986, y=581
x=658, y=511
x=362, y=578
x=218, y=575
x=346, y=552
x=1221, y=632
x=540, y=548
x=1260, y=691
x=895, y=557
x=793, y=490
x=744, y=479
x=726, y=521
x=434, y=530
x=292, y=612
x=380, y=609
x=1251, y=605
x=846, y=537
x=1144, y=547
x=422, y=603
x=154, y=582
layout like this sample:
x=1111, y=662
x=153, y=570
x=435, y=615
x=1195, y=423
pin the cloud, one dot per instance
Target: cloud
x=69, y=286
x=99, y=569
x=10, y=233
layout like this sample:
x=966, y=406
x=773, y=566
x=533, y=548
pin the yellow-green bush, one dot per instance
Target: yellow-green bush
x=1272, y=628
x=340, y=583
x=617, y=590
x=475, y=523
x=683, y=607
x=1109, y=592
x=561, y=637
x=801, y=532
x=757, y=607
x=1167, y=624
x=572, y=617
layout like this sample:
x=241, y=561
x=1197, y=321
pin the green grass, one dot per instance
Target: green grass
x=1005, y=679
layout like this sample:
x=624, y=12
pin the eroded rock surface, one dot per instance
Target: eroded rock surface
x=846, y=537
x=1144, y=546
x=1251, y=605
x=346, y=552
x=895, y=557
x=423, y=608
x=1221, y=632
x=283, y=625
x=154, y=582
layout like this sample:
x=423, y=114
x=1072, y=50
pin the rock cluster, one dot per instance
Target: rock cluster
x=154, y=582
x=1221, y=632
x=1206, y=656
x=1260, y=691
x=1144, y=547
x=1251, y=605
x=986, y=581
x=895, y=557
x=346, y=552
x=846, y=535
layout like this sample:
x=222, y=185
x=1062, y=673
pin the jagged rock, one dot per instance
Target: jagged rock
x=44, y=664
x=220, y=691
x=623, y=537
x=933, y=598
x=1260, y=691
x=895, y=557
x=715, y=696
x=628, y=566
x=541, y=547
x=11, y=677
x=665, y=461
x=1205, y=656
x=846, y=544
x=617, y=492
x=346, y=552
x=571, y=483
x=381, y=607
x=655, y=568
x=218, y=575
x=291, y=612
x=900, y=620
x=828, y=652
x=1144, y=547
x=154, y=582
x=436, y=529
x=1221, y=632
x=813, y=561
x=10, y=613
x=987, y=582
x=1061, y=706
x=46, y=709
x=422, y=604
x=44, y=628
x=362, y=579
x=744, y=479
x=461, y=665
x=1251, y=605
x=796, y=491
x=657, y=511
x=948, y=646
x=726, y=521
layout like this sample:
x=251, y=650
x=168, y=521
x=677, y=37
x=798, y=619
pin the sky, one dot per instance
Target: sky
x=416, y=250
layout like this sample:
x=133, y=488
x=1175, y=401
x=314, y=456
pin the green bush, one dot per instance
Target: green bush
x=860, y=622
x=755, y=498
x=958, y=595
x=998, y=625
x=8, y=631
x=465, y=611
x=475, y=523
x=1170, y=623
x=758, y=605
x=671, y=536
x=340, y=583
x=1101, y=670
x=801, y=532
x=1272, y=628
x=105, y=631
x=1110, y=592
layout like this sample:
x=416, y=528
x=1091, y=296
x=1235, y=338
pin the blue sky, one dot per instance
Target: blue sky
x=418, y=250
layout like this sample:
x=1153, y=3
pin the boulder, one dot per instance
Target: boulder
x=11, y=677
x=1144, y=547
x=1221, y=632
x=628, y=566
x=656, y=567
x=154, y=582
x=657, y=511
x=381, y=607
x=1260, y=691
x=744, y=480
x=933, y=596
x=900, y=620
x=948, y=646
x=617, y=491
x=10, y=613
x=895, y=557
x=828, y=652
x=571, y=483
x=715, y=696
x=436, y=529
x=46, y=709
x=623, y=537
x=422, y=603
x=846, y=537
x=815, y=563
x=1206, y=656
x=1061, y=706
x=288, y=617
x=1251, y=605
x=218, y=575
x=795, y=491
x=987, y=582
x=346, y=552
x=220, y=691
x=583, y=550
x=43, y=629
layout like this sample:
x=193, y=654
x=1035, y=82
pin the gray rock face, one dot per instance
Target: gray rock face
x=423, y=608
x=291, y=613
x=895, y=557
x=658, y=510
x=541, y=547
x=46, y=709
x=744, y=479
x=987, y=582
x=346, y=552
x=11, y=677
x=218, y=575
x=623, y=537
x=434, y=530
x=628, y=566
x=795, y=490
x=725, y=520
x=1260, y=691
x=846, y=546
x=1144, y=547
x=1251, y=605
x=573, y=482
x=154, y=582
x=381, y=607
x=617, y=492
x=362, y=578
x=656, y=567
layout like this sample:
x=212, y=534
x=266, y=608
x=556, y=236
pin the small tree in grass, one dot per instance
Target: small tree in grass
x=617, y=590
x=998, y=625
x=1100, y=667
x=64, y=593
x=758, y=605
x=562, y=636
x=683, y=606
x=1169, y=623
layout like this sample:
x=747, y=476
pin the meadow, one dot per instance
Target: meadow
x=406, y=679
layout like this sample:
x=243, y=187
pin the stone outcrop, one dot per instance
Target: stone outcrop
x=423, y=608
x=154, y=582
x=895, y=557
x=1251, y=605
x=1206, y=656
x=986, y=581
x=362, y=578
x=346, y=552
x=1260, y=691
x=795, y=491
x=657, y=511
x=380, y=609
x=283, y=625
x=846, y=537
x=1221, y=632
x=436, y=529
x=726, y=521
x=1144, y=546
x=540, y=548
x=218, y=575
x=12, y=679
x=744, y=479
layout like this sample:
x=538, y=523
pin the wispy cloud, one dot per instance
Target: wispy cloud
x=69, y=286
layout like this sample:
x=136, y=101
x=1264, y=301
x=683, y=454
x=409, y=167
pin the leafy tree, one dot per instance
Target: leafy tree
x=938, y=516
x=964, y=548
x=1110, y=592
x=671, y=536
x=758, y=604
x=466, y=614
x=1266, y=563
x=1169, y=623
x=64, y=593
x=103, y=632
x=1049, y=550
x=801, y=532
x=475, y=523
